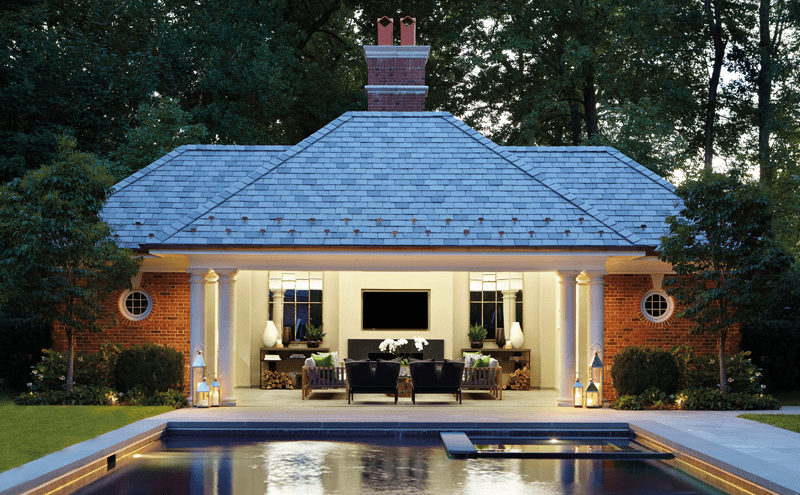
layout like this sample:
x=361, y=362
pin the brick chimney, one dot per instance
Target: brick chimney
x=396, y=74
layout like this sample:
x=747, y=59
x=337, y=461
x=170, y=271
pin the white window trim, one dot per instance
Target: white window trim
x=124, y=310
x=667, y=314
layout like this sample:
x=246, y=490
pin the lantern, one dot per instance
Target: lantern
x=592, y=395
x=577, y=391
x=197, y=375
x=201, y=394
x=215, y=392
x=597, y=374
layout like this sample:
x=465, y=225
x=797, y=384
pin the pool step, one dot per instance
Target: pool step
x=460, y=446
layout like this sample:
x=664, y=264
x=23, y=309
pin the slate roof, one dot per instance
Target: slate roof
x=404, y=179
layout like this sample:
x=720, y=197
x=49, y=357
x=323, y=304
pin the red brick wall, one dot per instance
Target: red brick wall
x=167, y=323
x=625, y=326
x=395, y=72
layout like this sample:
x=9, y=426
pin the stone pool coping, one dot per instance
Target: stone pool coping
x=762, y=454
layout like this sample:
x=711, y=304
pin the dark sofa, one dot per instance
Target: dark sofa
x=432, y=377
x=372, y=377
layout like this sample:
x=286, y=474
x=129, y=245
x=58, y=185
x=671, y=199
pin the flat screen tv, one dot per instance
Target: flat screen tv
x=394, y=310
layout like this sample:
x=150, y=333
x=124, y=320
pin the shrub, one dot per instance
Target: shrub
x=708, y=399
x=171, y=398
x=775, y=345
x=151, y=368
x=637, y=369
x=88, y=395
x=94, y=369
x=695, y=371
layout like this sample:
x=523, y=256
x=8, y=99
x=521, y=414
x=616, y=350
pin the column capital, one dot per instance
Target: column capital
x=596, y=276
x=197, y=275
x=568, y=277
x=226, y=275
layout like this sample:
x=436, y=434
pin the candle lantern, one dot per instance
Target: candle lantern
x=197, y=375
x=577, y=391
x=201, y=394
x=592, y=395
x=214, y=397
x=598, y=375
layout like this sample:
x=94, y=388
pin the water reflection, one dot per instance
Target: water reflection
x=389, y=467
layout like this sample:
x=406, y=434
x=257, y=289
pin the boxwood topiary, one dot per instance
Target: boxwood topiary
x=637, y=369
x=151, y=368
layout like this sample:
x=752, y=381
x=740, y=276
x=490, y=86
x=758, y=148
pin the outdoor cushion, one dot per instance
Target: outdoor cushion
x=323, y=361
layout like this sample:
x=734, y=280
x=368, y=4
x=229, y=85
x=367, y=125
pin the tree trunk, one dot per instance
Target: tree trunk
x=764, y=82
x=70, y=354
x=575, y=117
x=723, y=377
x=590, y=104
x=714, y=24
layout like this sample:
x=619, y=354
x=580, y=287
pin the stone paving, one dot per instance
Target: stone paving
x=767, y=455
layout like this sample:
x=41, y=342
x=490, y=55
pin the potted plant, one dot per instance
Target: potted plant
x=476, y=335
x=314, y=335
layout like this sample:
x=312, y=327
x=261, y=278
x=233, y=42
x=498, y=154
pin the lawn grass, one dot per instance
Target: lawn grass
x=30, y=432
x=789, y=422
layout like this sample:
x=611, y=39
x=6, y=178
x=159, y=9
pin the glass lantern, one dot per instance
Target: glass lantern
x=201, y=394
x=197, y=375
x=577, y=392
x=592, y=395
x=597, y=374
x=214, y=397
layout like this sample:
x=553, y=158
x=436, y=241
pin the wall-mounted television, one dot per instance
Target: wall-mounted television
x=395, y=309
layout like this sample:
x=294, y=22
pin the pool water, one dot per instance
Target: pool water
x=369, y=465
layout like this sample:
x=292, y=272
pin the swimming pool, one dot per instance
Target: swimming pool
x=180, y=465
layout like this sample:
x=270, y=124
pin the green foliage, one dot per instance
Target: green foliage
x=314, y=332
x=476, y=333
x=138, y=397
x=56, y=254
x=637, y=369
x=775, y=346
x=652, y=398
x=91, y=370
x=700, y=372
x=86, y=395
x=721, y=249
x=151, y=368
x=707, y=399
x=160, y=128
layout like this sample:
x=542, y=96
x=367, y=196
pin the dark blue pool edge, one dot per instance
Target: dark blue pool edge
x=656, y=436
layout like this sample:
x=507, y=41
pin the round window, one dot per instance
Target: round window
x=135, y=304
x=657, y=306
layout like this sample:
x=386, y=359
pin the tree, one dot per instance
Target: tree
x=721, y=248
x=161, y=129
x=57, y=256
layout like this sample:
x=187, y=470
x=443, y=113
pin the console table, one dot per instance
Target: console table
x=510, y=359
x=286, y=364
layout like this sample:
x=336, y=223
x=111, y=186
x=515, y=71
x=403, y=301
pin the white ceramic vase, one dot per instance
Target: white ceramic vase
x=270, y=336
x=517, y=338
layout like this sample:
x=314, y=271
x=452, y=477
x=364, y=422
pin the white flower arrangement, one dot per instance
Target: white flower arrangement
x=390, y=345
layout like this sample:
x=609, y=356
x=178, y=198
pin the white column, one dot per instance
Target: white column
x=197, y=316
x=567, y=280
x=227, y=334
x=596, y=318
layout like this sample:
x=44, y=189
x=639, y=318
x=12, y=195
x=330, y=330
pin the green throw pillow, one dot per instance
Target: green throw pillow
x=323, y=361
x=482, y=362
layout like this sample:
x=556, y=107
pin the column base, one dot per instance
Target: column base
x=228, y=402
x=565, y=402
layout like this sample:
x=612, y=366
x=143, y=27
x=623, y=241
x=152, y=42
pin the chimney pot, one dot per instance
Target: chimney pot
x=408, y=31
x=385, y=28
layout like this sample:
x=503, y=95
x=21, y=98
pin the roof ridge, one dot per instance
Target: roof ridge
x=143, y=172
x=565, y=194
x=258, y=173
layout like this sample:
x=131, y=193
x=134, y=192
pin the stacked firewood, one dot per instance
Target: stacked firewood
x=519, y=379
x=277, y=379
